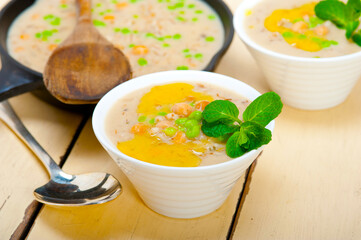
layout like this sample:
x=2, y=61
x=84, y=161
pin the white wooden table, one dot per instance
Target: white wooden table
x=305, y=185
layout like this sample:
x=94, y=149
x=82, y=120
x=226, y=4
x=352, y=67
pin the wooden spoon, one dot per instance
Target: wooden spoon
x=85, y=66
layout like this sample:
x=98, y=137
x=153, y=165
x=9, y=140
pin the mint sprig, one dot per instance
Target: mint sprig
x=344, y=16
x=220, y=120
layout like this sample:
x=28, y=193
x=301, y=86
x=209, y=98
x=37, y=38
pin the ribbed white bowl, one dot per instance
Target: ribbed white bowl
x=175, y=191
x=305, y=83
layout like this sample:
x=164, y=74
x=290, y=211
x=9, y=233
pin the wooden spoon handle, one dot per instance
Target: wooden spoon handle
x=84, y=10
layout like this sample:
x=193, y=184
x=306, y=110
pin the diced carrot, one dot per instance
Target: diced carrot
x=121, y=5
x=19, y=49
x=190, y=98
x=35, y=16
x=51, y=47
x=139, y=128
x=152, y=14
x=189, y=60
x=63, y=1
x=182, y=109
x=109, y=17
x=24, y=36
x=179, y=137
x=140, y=50
x=201, y=105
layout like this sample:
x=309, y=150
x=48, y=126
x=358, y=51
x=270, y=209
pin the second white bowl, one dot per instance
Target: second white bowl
x=304, y=83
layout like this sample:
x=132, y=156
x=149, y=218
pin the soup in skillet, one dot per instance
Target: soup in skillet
x=155, y=35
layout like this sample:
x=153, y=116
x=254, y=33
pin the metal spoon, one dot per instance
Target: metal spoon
x=63, y=189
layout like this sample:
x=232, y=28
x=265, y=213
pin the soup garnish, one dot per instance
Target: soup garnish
x=344, y=16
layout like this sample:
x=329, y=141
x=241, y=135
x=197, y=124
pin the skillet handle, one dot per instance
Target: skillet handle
x=14, y=80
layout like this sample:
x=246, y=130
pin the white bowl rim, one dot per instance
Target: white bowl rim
x=239, y=27
x=178, y=73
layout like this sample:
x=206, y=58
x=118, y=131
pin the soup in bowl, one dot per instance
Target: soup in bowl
x=188, y=186
x=306, y=60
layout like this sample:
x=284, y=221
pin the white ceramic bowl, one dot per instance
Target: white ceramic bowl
x=175, y=191
x=305, y=83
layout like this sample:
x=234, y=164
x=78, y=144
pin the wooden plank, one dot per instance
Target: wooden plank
x=126, y=217
x=308, y=183
x=21, y=172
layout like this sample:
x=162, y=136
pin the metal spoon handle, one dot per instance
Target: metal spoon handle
x=8, y=115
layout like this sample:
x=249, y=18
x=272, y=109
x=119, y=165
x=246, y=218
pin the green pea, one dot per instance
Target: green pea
x=170, y=131
x=183, y=129
x=198, y=55
x=177, y=36
x=162, y=113
x=142, y=62
x=197, y=115
x=191, y=123
x=179, y=18
x=49, y=16
x=142, y=119
x=166, y=45
x=210, y=39
x=186, y=50
x=125, y=30
x=288, y=34
x=182, y=68
x=193, y=132
x=98, y=23
x=181, y=121
x=152, y=121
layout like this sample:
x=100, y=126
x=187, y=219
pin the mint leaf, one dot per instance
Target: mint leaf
x=257, y=135
x=263, y=109
x=334, y=11
x=233, y=149
x=351, y=27
x=357, y=38
x=344, y=16
x=354, y=5
x=221, y=110
x=218, y=129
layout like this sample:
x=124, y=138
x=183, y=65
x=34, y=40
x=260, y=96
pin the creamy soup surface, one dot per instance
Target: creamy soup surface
x=292, y=28
x=160, y=124
x=155, y=35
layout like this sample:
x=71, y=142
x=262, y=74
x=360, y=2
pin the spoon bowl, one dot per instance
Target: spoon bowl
x=84, y=189
x=63, y=189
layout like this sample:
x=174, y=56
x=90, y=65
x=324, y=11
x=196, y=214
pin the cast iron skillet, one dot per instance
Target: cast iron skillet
x=16, y=79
